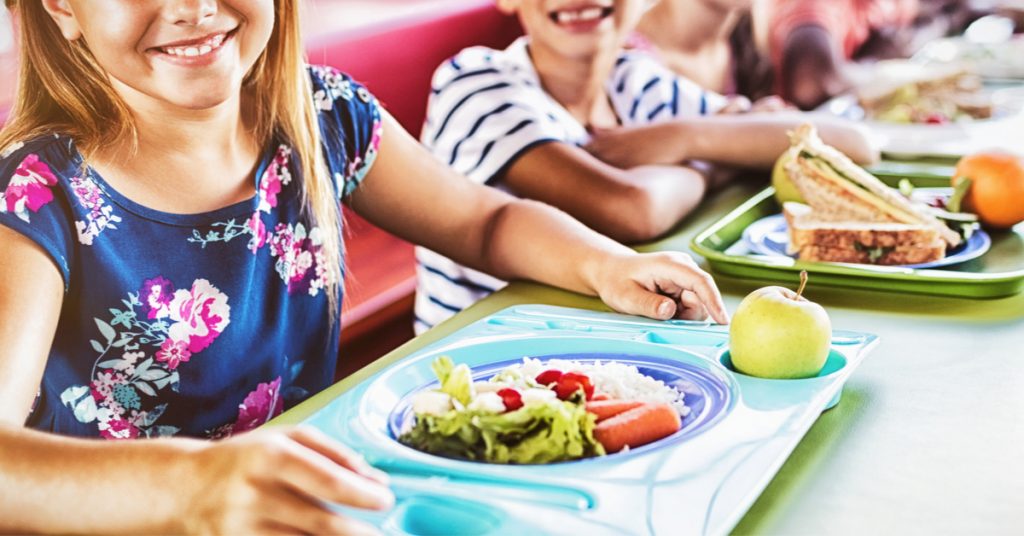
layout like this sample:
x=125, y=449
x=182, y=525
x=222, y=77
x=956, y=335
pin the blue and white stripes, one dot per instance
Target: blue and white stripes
x=487, y=107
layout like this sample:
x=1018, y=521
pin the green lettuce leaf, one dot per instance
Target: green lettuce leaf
x=541, y=433
x=456, y=381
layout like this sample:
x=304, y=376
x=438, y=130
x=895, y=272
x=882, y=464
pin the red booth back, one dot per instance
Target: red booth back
x=395, y=60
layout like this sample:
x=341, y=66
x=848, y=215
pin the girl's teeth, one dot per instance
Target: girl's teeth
x=193, y=51
x=591, y=13
x=567, y=16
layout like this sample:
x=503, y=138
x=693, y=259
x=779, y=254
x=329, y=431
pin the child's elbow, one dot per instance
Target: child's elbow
x=640, y=218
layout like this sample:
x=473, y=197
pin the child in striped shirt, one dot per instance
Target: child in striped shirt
x=564, y=115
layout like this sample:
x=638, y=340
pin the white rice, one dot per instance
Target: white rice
x=617, y=380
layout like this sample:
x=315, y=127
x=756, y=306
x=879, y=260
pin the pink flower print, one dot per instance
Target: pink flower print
x=259, y=406
x=281, y=242
x=103, y=386
x=295, y=254
x=100, y=216
x=378, y=133
x=200, y=315
x=89, y=194
x=119, y=428
x=173, y=353
x=275, y=176
x=258, y=231
x=359, y=167
x=29, y=188
x=156, y=295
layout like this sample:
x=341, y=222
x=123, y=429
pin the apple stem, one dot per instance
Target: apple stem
x=803, y=283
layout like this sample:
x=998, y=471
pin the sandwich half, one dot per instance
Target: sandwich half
x=839, y=190
x=815, y=238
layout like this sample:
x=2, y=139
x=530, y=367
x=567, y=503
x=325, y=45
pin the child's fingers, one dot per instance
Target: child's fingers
x=337, y=452
x=288, y=512
x=636, y=300
x=691, y=308
x=308, y=471
x=684, y=273
x=736, y=105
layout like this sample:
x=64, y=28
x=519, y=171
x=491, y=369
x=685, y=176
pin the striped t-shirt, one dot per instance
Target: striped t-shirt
x=487, y=107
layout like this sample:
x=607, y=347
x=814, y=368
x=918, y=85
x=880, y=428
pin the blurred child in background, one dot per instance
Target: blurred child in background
x=710, y=42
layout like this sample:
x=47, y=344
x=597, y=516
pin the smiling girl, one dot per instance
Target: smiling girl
x=171, y=265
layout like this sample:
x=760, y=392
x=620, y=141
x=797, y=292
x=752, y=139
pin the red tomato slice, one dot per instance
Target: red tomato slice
x=511, y=398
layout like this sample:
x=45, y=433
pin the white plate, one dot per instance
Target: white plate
x=950, y=140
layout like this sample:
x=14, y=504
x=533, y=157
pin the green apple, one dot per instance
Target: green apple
x=785, y=190
x=777, y=333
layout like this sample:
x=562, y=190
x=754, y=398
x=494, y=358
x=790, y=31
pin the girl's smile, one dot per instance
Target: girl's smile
x=195, y=52
x=189, y=54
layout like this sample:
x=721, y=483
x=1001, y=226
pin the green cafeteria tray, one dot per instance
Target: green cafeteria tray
x=997, y=273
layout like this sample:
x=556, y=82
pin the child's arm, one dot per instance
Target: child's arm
x=412, y=194
x=629, y=205
x=748, y=140
x=264, y=481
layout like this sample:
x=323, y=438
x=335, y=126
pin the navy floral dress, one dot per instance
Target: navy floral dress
x=199, y=325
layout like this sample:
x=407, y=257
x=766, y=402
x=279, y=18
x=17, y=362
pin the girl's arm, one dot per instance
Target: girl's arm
x=410, y=193
x=629, y=205
x=749, y=140
x=266, y=481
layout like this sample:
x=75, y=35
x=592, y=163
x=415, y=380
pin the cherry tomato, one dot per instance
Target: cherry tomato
x=548, y=377
x=511, y=398
x=584, y=381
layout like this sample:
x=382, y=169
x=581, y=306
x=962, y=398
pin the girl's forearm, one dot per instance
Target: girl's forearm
x=52, y=483
x=530, y=240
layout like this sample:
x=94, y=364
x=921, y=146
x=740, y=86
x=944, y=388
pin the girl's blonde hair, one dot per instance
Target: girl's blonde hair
x=61, y=89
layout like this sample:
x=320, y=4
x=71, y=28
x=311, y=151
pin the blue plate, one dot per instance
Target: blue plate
x=770, y=236
x=705, y=393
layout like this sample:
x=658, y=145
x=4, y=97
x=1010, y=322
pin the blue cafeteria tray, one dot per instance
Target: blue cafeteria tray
x=699, y=481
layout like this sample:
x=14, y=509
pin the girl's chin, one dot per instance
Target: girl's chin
x=198, y=101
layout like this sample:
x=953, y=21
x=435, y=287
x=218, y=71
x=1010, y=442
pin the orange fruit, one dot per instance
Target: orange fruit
x=996, y=192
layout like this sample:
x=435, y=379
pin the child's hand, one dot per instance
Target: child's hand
x=660, y=285
x=741, y=105
x=280, y=481
x=735, y=104
x=771, y=103
x=629, y=147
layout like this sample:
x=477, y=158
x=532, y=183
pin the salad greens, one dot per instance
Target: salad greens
x=541, y=431
x=456, y=381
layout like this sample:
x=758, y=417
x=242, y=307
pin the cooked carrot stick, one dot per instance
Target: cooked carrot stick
x=610, y=408
x=638, y=426
x=600, y=396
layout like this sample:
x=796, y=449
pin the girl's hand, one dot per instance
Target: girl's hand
x=659, y=285
x=273, y=481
